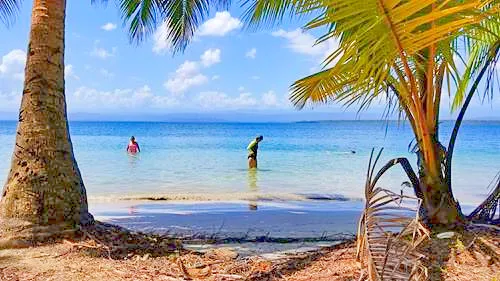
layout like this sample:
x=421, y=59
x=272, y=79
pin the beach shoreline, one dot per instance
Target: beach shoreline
x=234, y=219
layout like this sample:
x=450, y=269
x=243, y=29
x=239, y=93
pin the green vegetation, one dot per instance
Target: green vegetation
x=401, y=52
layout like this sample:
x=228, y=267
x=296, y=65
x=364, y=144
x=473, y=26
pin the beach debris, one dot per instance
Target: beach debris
x=225, y=254
x=446, y=235
x=389, y=232
x=115, y=242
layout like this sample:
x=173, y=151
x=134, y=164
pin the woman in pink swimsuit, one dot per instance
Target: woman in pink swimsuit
x=133, y=146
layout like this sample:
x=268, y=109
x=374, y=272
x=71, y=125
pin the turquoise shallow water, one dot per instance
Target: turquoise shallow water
x=198, y=161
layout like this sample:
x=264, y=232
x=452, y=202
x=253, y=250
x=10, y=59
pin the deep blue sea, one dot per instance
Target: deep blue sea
x=208, y=161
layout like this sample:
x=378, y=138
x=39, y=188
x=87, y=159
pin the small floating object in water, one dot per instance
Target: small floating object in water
x=353, y=152
x=445, y=235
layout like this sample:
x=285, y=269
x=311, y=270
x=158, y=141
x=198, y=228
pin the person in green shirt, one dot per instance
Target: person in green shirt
x=252, y=152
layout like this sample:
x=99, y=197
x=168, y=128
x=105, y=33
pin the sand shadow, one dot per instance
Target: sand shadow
x=116, y=242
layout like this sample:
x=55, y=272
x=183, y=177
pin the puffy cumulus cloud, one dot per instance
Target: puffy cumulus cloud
x=210, y=57
x=269, y=99
x=69, y=72
x=252, y=53
x=101, y=52
x=304, y=43
x=161, y=42
x=186, y=76
x=244, y=100
x=189, y=75
x=109, y=26
x=92, y=100
x=221, y=24
x=12, y=64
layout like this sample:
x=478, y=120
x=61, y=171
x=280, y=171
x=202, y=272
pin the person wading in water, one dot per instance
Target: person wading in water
x=252, y=152
x=133, y=146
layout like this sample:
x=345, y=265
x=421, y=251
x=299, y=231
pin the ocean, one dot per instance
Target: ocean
x=208, y=161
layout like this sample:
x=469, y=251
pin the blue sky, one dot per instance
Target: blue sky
x=227, y=72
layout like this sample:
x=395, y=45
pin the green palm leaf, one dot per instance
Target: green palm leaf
x=182, y=17
x=376, y=36
x=480, y=45
x=8, y=8
x=265, y=12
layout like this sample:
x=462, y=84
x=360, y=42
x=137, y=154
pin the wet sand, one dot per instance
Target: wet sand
x=251, y=227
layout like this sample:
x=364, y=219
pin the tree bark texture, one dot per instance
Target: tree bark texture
x=44, y=185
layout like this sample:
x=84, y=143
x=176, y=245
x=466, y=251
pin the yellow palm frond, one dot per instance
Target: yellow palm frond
x=481, y=43
x=378, y=36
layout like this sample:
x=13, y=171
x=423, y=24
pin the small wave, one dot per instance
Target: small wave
x=227, y=197
x=327, y=197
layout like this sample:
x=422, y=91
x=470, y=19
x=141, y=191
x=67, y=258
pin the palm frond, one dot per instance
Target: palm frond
x=389, y=231
x=141, y=17
x=8, y=9
x=182, y=18
x=481, y=42
x=379, y=38
x=489, y=210
x=269, y=13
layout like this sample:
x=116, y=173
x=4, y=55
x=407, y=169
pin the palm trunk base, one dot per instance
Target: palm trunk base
x=441, y=209
x=18, y=233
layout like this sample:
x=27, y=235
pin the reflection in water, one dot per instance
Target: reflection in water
x=132, y=210
x=253, y=188
x=132, y=160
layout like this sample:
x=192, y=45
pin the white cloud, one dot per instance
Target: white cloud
x=186, y=76
x=252, y=53
x=221, y=100
x=304, y=43
x=210, y=57
x=12, y=64
x=161, y=42
x=69, y=72
x=219, y=25
x=241, y=88
x=109, y=26
x=215, y=77
x=93, y=100
x=244, y=100
x=270, y=99
x=189, y=74
x=106, y=73
x=102, y=53
x=255, y=77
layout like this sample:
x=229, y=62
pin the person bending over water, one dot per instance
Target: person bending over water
x=133, y=146
x=252, y=152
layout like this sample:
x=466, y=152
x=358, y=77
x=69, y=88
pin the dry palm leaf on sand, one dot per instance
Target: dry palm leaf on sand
x=390, y=231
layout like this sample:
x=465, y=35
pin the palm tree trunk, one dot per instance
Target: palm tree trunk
x=440, y=206
x=44, y=186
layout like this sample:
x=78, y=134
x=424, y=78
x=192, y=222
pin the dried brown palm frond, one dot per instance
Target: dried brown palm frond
x=390, y=231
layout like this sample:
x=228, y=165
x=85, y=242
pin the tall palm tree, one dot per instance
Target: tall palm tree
x=401, y=51
x=44, y=185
